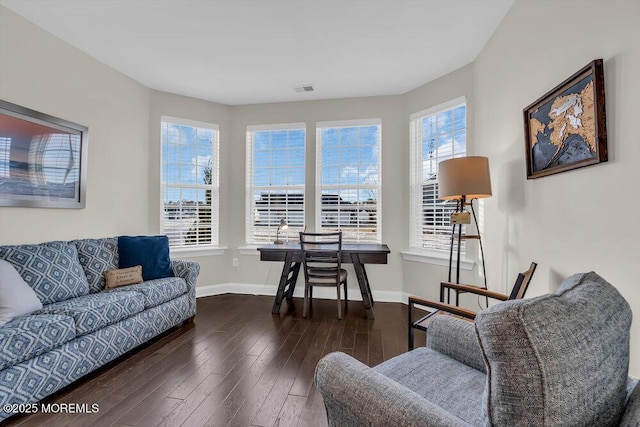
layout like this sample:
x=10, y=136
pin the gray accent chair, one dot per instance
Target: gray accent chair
x=556, y=360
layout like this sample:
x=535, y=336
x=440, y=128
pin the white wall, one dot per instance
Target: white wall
x=571, y=222
x=579, y=220
x=40, y=72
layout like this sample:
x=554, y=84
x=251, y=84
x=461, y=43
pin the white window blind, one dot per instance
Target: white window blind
x=190, y=185
x=275, y=181
x=436, y=134
x=348, y=179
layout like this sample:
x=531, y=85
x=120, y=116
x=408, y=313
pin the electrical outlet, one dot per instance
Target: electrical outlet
x=235, y=262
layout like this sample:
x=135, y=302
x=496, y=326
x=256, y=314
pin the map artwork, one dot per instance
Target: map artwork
x=565, y=128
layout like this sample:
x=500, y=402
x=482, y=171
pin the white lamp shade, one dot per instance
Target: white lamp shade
x=464, y=176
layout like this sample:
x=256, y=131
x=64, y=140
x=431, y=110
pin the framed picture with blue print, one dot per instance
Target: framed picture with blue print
x=566, y=128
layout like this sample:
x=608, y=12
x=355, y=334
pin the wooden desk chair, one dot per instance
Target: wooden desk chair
x=517, y=292
x=321, y=260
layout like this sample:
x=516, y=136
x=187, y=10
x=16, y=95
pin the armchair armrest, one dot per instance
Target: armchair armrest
x=631, y=415
x=474, y=290
x=458, y=311
x=355, y=394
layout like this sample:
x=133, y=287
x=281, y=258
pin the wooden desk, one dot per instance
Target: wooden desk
x=357, y=254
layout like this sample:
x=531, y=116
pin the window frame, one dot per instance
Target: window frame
x=416, y=191
x=377, y=187
x=212, y=248
x=251, y=239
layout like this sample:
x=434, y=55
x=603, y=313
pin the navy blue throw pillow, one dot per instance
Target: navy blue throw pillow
x=151, y=252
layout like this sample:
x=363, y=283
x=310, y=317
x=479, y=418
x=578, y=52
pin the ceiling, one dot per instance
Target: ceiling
x=256, y=51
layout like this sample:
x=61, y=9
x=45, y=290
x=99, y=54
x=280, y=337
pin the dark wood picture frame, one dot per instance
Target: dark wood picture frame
x=566, y=128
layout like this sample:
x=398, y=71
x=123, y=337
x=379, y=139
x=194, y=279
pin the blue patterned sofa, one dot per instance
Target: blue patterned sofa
x=82, y=326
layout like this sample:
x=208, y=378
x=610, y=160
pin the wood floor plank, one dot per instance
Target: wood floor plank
x=349, y=333
x=314, y=413
x=290, y=412
x=245, y=389
x=304, y=377
x=361, y=348
x=251, y=406
x=211, y=400
x=376, y=355
x=180, y=412
x=272, y=405
x=236, y=365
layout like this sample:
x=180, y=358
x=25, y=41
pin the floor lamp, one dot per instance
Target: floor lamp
x=464, y=179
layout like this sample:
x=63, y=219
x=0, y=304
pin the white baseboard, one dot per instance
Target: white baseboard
x=321, y=293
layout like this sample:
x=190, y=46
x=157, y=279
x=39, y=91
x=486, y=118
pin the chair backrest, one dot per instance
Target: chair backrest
x=522, y=282
x=321, y=255
x=559, y=358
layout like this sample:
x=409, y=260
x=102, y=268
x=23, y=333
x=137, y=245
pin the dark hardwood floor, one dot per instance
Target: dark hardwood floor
x=236, y=365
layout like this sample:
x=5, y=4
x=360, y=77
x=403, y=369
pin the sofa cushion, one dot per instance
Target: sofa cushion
x=29, y=336
x=97, y=256
x=123, y=277
x=443, y=381
x=51, y=269
x=151, y=252
x=157, y=291
x=16, y=297
x=571, y=373
x=95, y=311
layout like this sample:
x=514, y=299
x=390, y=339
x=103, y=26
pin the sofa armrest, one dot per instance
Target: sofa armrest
x=631, y=415
x=355, y=394
x=188, y=270
x=457, y=339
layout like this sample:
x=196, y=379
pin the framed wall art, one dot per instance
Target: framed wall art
x=566, y=128
x=43, y=159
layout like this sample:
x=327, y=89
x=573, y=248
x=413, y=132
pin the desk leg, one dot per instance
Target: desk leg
x=286, y=270
x=291, y=281
x=363, y=282
x=366, y=280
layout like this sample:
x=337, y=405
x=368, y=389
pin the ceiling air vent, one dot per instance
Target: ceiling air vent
x=304, y=88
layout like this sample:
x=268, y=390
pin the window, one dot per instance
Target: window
x=436, y=134
x=189, y=182
x=348, y=185
x=275, y=181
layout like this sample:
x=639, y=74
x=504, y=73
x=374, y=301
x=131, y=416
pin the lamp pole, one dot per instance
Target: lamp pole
x=460, y=204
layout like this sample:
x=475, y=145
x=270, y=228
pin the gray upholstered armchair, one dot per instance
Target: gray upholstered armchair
x=559, y=359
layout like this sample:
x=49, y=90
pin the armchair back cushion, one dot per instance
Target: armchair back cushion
x=571, y=373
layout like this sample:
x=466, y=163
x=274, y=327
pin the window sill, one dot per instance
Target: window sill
x=197, y=252
x=434, y=257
